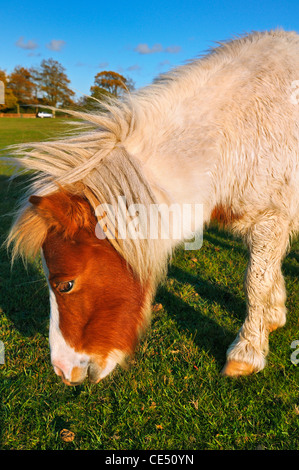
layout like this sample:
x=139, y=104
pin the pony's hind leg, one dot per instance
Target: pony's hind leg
x=267, y=239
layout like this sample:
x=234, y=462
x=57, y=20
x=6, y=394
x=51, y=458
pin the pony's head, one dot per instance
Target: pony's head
x=100, y=288
x=97, y=303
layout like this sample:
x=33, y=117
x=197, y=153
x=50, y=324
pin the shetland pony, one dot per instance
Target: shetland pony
x=222, y=132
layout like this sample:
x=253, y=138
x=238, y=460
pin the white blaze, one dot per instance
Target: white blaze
x=63, y=356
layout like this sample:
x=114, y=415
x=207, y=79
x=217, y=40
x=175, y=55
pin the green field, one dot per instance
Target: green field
x=172, y=395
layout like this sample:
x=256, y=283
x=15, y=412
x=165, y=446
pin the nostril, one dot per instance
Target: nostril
x=58, y=370
x=94, y=372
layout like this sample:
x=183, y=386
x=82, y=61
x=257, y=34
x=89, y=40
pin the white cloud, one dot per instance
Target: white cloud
x=133, y=68
x=56, y=44
x=103, y=65
x=26, y=45
x=164, y=62
x=34, y=54
x=173, y=49
x=145, y=49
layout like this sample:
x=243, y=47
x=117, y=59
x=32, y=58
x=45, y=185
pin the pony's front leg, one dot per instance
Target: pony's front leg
x=267, y=240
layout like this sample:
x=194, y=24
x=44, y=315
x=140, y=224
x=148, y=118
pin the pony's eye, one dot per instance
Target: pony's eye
x=64, y=287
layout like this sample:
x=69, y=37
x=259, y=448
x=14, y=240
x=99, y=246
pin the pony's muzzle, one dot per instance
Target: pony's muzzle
x=94, y=367
x=73, y=377
x=77, y=375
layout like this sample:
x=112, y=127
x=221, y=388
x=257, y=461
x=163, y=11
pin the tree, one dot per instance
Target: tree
x=53, y=84
x=9, y=97
x=20, y=81
x=92, y=103
x=111, y=82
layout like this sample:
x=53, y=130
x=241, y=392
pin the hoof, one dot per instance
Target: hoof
x=235, y=368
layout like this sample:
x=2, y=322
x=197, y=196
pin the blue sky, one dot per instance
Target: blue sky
x=136, y=39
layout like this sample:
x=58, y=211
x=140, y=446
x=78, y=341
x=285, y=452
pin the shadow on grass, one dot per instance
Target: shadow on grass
x=211, y=292
x=23, y=289
x=208, y=334
x=223, y=239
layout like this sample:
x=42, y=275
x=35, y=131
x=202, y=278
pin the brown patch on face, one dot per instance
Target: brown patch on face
x=103, y=309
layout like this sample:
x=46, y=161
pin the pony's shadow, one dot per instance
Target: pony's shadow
x=222, y=239
x=23, y=288
x=207, y=334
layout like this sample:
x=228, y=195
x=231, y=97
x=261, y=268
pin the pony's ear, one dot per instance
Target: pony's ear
x=65, y=212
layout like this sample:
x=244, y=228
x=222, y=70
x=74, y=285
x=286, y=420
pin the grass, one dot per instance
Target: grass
x=172, y=395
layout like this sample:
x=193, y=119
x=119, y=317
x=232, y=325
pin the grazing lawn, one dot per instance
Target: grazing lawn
x=172, y=395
